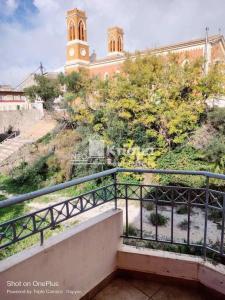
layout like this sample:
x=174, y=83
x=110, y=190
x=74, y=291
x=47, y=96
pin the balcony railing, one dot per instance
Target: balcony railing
x=197, y=202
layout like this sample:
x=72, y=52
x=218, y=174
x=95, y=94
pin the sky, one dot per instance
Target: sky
x=34, y=31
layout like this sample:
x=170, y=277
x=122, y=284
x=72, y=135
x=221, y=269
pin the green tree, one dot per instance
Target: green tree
x=45, y=89
x=154, y=103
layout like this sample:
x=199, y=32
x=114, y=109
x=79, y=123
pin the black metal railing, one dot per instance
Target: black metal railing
x=198, y=205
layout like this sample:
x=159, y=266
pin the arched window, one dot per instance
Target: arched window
x=113, y=46
x=71, y=31
x=110, y=46
x=119, y=44
x=81, y=30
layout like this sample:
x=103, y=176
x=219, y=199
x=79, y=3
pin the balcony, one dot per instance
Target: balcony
x=120, y=252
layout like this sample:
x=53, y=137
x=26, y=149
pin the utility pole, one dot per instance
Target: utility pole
x=206, y=50
x=42, y=69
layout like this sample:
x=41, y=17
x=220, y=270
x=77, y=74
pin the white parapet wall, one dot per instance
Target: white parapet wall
x=181, y=266
x=73, y=262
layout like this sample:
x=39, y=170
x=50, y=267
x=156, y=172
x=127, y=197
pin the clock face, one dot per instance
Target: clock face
x=82, y=51
x=71, y=52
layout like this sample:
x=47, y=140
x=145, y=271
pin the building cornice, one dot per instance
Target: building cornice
x=75, y=42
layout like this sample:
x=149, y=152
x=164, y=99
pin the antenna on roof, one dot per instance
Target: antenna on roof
x=206, y=34
x=41, y=68
x=219, y=30
x=206, y=50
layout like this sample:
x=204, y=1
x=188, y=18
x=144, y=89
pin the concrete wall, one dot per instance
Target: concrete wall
x=76, y=260
x=19, y=120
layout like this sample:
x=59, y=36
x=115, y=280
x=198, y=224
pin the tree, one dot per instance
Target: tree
x=45, y=89
x=154, y=103
x=81, y=97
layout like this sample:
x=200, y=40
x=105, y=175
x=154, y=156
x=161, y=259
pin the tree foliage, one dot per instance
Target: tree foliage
x=45, y=89
x=155, y=103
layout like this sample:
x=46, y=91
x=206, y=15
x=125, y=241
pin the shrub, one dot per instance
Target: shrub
x=158, y=219
x=2, y=197
x=215, y=215
x=183, y=225
x=186, y=158
x=132, y=230
x=217, y=118
x=46, y=138
x=26, y=178
x=214, y=153
x=182, y=210
x=148, y=205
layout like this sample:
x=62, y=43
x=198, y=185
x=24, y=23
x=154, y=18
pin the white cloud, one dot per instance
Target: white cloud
x=11, y=6
x=146, y=23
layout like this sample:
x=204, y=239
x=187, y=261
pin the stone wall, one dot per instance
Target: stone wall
x=19, y=120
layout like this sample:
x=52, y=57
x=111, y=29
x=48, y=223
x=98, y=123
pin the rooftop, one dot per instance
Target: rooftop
x=171, y=47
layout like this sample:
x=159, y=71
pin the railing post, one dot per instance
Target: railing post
x=172, y=215
x=156, y=213
x=206, y=217
x=41, y=237
x=189, y=216
x=52, y=218
x=222, y=230
x=141, y=212
x=126, y=199
x=115, y=188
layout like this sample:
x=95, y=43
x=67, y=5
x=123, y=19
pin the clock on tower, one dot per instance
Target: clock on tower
x=77, y=52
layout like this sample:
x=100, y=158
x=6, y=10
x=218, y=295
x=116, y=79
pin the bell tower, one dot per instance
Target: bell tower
x=77, y=49
x=115, y=41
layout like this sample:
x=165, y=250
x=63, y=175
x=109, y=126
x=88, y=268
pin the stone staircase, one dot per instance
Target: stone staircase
x=12, y=145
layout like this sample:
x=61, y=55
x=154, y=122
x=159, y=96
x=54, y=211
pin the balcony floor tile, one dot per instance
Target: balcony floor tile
x=135, y=289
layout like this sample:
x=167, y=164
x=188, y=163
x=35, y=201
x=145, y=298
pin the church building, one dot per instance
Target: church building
x=211, y=48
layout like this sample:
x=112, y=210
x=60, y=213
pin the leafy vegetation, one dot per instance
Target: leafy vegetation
x=26, y=178
x=182, y=210
x=149, y=110
x=147, y=116
x=158, y=219
x=148, y=205
x=215, y=215
x=132, y=230
x=44, y=89
x=183, y=224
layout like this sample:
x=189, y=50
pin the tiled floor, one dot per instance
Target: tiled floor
x=135, y=289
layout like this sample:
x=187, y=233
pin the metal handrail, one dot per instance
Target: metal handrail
x=13, y=134
x=204, y=198
x=61, y=186
x=55, y=188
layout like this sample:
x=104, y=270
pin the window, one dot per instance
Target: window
x=112, y=46
x=71, y=31
x=81, y=30
x=119, y=44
